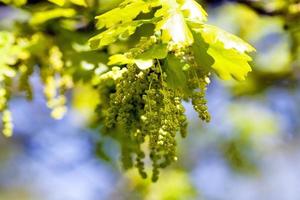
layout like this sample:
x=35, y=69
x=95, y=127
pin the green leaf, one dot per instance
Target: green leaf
x=143, y=64
x=58, y=2
x=120, y=59
x=111, y=35
x=128, y=11
x=120, y=22
x=229, y=62
x=228, y=52
x=157, y=51
x=176, y=77
x=63, y=2
x=173, y=24
x=193, y=11
x=79, y=2
x=44, y=16
x=144, y=60
x=212, y=35
x=200, y=50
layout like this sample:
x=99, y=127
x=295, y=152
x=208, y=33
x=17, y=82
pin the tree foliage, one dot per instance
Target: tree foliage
x=146, y=59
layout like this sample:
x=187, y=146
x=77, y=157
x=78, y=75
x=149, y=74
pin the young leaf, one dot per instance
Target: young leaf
x=58, y=2
x=79, y=2
x=173, y=24
x=143, y=64
x=200, y=49
x=62, y=2
x=229, y=62
x=193, y=11
x=175, y=75
x=120, y=59
x=111, y=35
x=157, y=51
x=212, y=34
x=228, y=52
x=123, y=14
x=44, y=16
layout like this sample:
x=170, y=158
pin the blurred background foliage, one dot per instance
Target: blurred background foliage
x=249, y=151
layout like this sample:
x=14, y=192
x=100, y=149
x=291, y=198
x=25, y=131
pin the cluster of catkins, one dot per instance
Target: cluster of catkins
x=24, y=56
x=143, y=109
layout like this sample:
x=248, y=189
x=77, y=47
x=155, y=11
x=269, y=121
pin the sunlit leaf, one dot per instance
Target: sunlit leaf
x=173, y=24
x=44, y=16
x=143, y=64
x=228, y=52
x=63, y=2
x=229, y=62
x=212, y=35
x=111, y=35
x=157, y=51
x=123, y=14
x=119, y=59
x=193, y=11
x=79, y=2
x=58, y=2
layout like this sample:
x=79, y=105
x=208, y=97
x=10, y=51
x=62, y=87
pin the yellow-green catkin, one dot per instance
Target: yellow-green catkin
x=139, y=106
x=56, y=82
x=142, y=106
x=7, y=124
